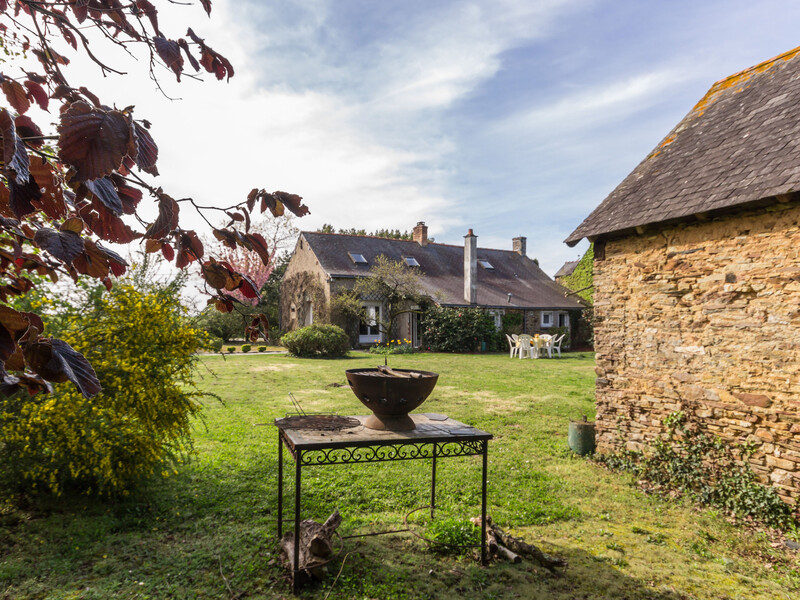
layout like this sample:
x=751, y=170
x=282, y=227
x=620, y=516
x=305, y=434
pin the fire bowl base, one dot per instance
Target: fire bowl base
x=390, y=423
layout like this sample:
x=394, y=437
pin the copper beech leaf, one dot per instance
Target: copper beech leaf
x=247, y=287
x=150, y=11
x=13, y=384
x=167, y=219
x=189, y=248
x=29, y=131
x=64, y=245
x=37, y=93
x=104, y=191
x=15, y=154
x=93, y=140
x=216, y=275
x=146, y=150
x=55, y=360
x=16, y=95
x=292, y=202
x=170, y=53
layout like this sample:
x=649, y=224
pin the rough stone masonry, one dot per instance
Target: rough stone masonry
x=705, y=316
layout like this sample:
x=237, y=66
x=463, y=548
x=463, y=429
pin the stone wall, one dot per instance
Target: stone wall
x=705, y=317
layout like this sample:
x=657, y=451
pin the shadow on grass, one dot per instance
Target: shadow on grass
x=401, y=568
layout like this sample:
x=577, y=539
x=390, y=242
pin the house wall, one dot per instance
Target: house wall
x=705, y=317
x=304, y=281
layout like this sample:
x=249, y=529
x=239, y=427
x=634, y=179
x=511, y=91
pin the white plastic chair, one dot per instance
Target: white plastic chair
x=556, y=345
x=512, y=345
x=546, y=345
x=525, y=349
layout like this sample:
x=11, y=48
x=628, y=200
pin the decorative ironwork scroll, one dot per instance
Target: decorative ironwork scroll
x=391, y=452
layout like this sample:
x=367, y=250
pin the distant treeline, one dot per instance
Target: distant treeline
x=392, y=234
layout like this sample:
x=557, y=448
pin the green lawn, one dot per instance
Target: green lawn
x=209, y=532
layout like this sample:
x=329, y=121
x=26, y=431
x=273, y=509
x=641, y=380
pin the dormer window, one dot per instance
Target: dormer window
x=486, y=265
x=411, y=261
x=357, y=258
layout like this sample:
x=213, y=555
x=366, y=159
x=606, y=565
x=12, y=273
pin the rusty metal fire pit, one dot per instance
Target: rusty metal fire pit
x=391, y=394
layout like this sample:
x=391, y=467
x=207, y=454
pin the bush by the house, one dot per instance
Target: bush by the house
x=231, y=349
x=317, y=340
x=215, y=344
x=262, y=348
x=143, y=350
x=246, y=347
x=458, y=330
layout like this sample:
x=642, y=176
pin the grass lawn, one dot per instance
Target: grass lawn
x=209, y=532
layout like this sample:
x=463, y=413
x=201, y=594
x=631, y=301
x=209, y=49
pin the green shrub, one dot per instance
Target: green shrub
x=262, y=348
x=143, y=350
x=246, y=347
x=231, y=349
x=452, y=536
x=708, y=469
x=317, y=340
x=458, y=330
x=215, y=344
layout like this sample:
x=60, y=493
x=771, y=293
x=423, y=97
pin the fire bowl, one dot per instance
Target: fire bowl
x=391, y=394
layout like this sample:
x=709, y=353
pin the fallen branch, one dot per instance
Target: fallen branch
x=502, y=544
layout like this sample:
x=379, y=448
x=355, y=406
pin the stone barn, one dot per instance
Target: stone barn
x=697, y=277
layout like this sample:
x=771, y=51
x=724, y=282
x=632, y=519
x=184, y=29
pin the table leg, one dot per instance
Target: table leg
x=280, y=485
x=433, y=481
x=296, y=561
x=483, y=502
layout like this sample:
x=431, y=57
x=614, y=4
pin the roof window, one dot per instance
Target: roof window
x=486, y=265
x=357, y=258
x=411, y=261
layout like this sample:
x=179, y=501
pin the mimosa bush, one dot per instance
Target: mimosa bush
x=143, y=350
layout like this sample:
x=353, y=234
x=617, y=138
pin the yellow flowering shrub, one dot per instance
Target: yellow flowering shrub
x=142, y=348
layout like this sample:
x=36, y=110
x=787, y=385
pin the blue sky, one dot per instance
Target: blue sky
x=511, y=118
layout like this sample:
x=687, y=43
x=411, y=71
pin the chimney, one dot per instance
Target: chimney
x=420, y=234
x=519, y=245
x=471, y=268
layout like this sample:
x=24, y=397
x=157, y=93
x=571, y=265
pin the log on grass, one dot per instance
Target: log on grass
x=316, y=545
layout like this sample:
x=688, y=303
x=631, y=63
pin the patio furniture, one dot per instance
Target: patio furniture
x=512, y=345
x=546, y=345
x=525, y=348
x=556, y=345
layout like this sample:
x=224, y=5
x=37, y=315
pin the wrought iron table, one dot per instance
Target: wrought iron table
x=435, y=436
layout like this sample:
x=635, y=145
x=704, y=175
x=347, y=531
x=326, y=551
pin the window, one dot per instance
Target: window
x=357, y=258
x=411, y=261
x=547, y=319
x=368, y=330
x=563, y=320
x=497, y=315
x=486, y=265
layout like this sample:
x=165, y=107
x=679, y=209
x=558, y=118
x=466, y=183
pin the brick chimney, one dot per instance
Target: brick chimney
x=519, y=245
x=420, y=234
x=471, y=268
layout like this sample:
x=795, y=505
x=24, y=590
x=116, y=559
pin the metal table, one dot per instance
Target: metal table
x=435, y=436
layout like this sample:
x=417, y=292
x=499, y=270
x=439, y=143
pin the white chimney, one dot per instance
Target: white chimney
x=471, y=268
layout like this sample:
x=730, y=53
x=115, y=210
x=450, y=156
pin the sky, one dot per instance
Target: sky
x=512, y=118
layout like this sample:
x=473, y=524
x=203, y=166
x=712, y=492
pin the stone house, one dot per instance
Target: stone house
x=500, y=281
x=697, y=277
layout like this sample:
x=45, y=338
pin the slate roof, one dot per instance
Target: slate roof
x=739, y=144
x=442, y=266
x=567, y=268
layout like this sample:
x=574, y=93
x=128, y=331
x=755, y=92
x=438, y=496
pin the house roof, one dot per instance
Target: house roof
x=567, y=268
x=739, y=144
x=442, y=266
